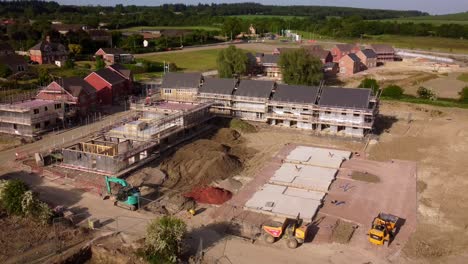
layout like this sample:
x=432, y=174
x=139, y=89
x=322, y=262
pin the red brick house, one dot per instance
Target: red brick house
x=384, y=52
x=125, y=73
x=341, y=50
x=350, y=64
x=114, y=55
x=269, y=65
x=47, y=52
x=78, y=96
x=368, y=58
x=110, y=86
x=317, y=51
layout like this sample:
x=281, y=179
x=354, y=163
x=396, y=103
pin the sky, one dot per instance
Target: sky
x=430, y=6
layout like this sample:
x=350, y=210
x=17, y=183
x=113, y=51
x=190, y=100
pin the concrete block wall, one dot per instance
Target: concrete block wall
x=303, y=125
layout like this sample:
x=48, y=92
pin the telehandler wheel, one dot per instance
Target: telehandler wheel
x=269, y=239
x=292, y=243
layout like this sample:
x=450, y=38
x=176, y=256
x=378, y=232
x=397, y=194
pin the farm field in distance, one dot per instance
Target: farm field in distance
x=208, y=28
x=198, y=60
x=267, y=16
x=457, y=18
x=427, y=21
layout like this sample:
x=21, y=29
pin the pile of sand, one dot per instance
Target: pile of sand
x=227, y=136
x=199, y=164
x=342, y=232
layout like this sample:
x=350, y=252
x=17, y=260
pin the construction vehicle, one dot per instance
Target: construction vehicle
x=290, y=229
x=126, y=197
x=383, y=229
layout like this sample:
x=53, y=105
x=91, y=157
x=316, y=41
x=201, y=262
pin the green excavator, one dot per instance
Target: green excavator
x=126, y=197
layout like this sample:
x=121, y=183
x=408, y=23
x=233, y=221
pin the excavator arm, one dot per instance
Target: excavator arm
x=116, y=180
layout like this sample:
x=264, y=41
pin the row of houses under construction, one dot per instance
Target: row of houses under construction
x=327, y=110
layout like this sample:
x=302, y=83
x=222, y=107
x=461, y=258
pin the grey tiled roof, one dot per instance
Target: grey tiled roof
x=345, y=97
x=354, y=57
x=295, y=94
x=76, y=85
x=181, y=80
x=218, y=86
x=270, y=58
x=252, y=88
x=110, y=76
x=369, y=53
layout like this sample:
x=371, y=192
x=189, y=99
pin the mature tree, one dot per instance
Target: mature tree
x=232, y=26
x=11, y=195
x=231, y=62
x=425, y=93
x=299, y=67
x=163, y=239
x=44, y=77
x=393, y=91
x=464, y=95
x=370, y=83
x=75, y=49
x=4, y=71
x=100, y=64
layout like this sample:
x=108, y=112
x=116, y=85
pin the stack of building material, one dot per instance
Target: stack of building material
x=299, y=185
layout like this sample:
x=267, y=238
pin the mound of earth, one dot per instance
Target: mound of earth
x=210, y=195
x=171, y=205
x=199, y=164
x=227, y=136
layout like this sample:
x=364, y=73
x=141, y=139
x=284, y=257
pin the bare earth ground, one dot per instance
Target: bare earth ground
x=410, y=74
x=437, y=140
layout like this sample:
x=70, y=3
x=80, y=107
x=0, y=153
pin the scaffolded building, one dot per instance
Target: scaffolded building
x=326, y=110
x=159, y=127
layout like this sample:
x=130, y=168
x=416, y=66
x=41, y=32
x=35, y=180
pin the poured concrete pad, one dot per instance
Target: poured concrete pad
x=330, y=158
x=304, y=176
x=285, y=201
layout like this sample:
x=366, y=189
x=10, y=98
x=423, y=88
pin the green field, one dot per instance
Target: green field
x=457, y=18
x=200, y=60
x=426, y=21
x=267, y=16
x=463, y=77
x=207, y=28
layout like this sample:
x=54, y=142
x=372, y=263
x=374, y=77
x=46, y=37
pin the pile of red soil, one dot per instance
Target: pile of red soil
x=210, y=195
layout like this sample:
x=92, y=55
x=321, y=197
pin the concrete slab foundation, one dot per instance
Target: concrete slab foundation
x=299, y=185
x=322, y=157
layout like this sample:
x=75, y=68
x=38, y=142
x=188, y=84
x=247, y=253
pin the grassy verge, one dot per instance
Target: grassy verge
x=463, y=77
x=200, y=60
x=442, y=102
